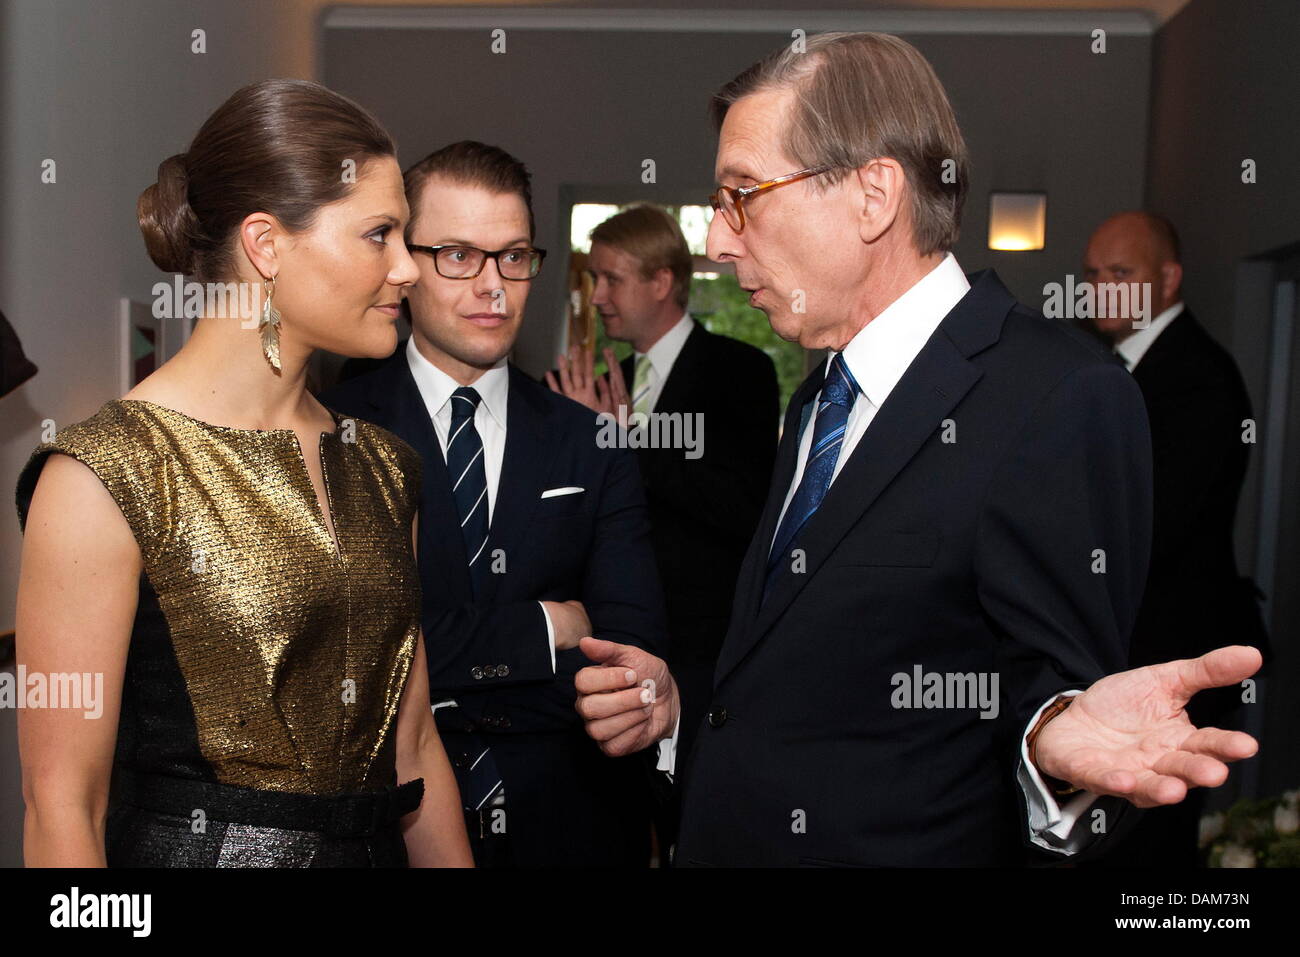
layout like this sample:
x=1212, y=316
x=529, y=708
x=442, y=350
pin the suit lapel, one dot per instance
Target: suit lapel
x=690, y=363
x=933, y=385
x=1162, y=362
x=524, y=471
x=753, y=569
x=442, y=549
x=628, y=365
x=687, y=367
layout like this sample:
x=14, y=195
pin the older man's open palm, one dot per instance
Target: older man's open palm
x=1128, y=735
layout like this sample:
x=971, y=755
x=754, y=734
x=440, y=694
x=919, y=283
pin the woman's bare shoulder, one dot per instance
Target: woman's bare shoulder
x=77, y=480
x=71, y=502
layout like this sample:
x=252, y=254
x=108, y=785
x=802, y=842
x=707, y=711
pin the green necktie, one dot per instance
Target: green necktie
x=641, y=385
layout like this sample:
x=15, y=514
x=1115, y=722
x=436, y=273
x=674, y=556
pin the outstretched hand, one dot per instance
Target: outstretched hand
x=628, y=700
x=1129, y=736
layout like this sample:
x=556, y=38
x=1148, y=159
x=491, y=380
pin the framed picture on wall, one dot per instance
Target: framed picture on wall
x=144, y=341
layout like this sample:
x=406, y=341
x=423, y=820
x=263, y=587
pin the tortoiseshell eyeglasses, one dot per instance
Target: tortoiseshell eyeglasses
x=730, y=201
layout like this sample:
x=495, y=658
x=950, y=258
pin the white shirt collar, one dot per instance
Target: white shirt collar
x=1134, y=347
x=664, y=352
x=883, y=349
x=436, y=387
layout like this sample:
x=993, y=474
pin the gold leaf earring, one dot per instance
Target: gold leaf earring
x=270, y=327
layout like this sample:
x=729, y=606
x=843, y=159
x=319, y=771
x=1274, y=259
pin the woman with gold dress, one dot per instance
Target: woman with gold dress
x=235, y=559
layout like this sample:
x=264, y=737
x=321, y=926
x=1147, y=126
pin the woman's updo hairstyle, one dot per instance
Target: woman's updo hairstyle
x=277, y=146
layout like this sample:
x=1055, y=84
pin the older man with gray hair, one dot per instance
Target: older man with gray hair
x=956, y=539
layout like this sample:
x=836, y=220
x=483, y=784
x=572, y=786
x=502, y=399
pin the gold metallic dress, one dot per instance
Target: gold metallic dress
x=265, y=667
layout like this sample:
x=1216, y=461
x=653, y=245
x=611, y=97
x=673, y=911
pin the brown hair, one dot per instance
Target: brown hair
x=277, y=146
x=860, y=96
x=653, y=238
x=470, y=163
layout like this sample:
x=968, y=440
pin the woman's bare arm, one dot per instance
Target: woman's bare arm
x=434, y=832
x=77, y=593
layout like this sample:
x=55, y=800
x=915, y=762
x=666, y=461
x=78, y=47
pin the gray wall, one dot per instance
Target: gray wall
x=1226, y=89
x=584, y=108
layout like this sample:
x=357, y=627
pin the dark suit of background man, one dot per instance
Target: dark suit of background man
x=530, y=536
x=703, y=510
x=1198, y=407
x=964, y=490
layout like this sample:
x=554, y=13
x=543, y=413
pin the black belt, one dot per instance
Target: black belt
x=357, y=814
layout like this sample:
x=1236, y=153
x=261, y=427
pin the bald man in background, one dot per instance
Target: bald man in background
x=1197, y=406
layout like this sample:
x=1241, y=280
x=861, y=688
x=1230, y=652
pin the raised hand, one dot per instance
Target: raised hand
x=628, y=700
x=616, y=384
x=578, y=382
x=1129, y=736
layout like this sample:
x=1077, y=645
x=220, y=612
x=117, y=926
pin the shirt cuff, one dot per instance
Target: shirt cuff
x=668, y=750
x=1052, y=826
x=550, y=634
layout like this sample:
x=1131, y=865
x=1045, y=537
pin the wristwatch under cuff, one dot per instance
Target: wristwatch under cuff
x=1059, y=787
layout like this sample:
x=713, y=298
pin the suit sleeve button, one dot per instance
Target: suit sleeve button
x=476, y=672
x=503, y=670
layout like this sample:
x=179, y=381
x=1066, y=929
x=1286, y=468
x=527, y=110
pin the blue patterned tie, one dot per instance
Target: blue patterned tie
x=837, y=395
x=479, y=781
x=469, y=480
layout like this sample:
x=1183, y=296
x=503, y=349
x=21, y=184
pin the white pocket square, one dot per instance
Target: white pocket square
x=567, y=490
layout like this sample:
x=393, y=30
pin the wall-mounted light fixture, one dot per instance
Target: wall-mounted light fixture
x=1017, y=221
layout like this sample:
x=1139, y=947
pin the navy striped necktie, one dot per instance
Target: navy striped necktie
x=836, y=400
x=480, y=782
x=469, y=480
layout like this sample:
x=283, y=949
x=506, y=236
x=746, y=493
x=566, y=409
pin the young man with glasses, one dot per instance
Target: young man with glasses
x=531, y=535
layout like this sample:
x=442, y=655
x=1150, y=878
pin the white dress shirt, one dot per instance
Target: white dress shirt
x=881, y=352
x=877, y=357
x=493, y=387
x=662, y=356
x=1135, y=346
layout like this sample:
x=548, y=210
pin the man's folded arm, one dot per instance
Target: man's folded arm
x=479, y=647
